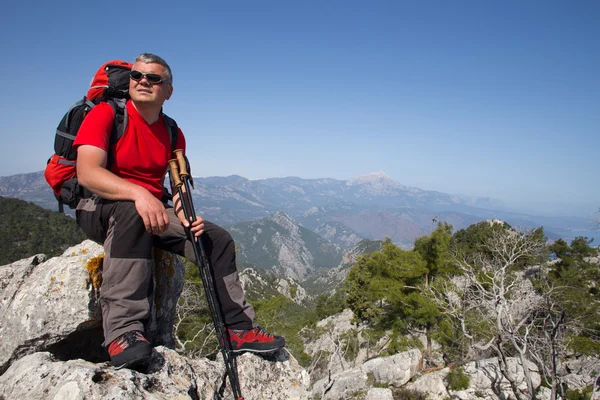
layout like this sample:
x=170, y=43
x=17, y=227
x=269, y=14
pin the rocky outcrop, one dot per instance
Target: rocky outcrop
x=292, y=290
x=169, y=376
x=53, y=305
x=50, y=324
x=393, y=371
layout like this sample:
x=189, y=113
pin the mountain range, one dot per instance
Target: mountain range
x=371, y=206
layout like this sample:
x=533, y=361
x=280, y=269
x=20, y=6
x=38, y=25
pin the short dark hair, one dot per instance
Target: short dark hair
x=153, y=58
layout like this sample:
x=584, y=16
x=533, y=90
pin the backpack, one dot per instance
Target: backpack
x=110, y=84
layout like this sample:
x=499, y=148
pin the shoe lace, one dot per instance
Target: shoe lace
x=261, y=332
x=133, y=337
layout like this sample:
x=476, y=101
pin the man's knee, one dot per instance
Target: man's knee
x=218, y=235
x=129, y=236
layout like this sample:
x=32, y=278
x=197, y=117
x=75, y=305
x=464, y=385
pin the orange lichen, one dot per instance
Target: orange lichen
x=166, y=259
x=94, y=268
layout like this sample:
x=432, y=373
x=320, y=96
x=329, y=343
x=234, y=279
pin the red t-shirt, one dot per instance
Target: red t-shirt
x=141, y=155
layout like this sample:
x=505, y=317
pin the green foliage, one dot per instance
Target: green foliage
x=576, y=292
x=585, y=345
x=399, y=343
x=330, y=305
x=350, y=344
x=585, y=394
x=281, y=316
x=26, y=230
x=408, y=394
x=293, y=291
x=434, y=250
x=457, y=379
x=382, y=288
x=473, y=239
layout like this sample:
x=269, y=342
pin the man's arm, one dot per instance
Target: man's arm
x=92, y=174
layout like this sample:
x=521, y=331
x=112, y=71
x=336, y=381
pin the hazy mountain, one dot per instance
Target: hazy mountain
x=277, y=243
x=370, y=206
x=29, y=187
x=338, y=233
x=327, y=281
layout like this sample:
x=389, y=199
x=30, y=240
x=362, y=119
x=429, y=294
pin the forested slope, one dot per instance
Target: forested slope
x=27, y=229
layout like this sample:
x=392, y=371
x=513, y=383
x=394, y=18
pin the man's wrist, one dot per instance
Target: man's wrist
x=137, y=192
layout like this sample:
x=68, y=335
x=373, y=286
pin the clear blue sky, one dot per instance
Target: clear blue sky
x=488, y=98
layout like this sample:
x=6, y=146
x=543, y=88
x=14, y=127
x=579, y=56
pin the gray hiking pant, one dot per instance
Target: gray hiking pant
x=126, y=290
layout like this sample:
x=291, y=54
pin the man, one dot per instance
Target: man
x=127, y=216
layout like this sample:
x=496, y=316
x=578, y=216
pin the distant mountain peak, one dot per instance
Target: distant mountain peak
x=378, y=183
x=374, y=178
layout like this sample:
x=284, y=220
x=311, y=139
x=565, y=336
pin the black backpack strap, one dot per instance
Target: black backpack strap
x=174, y=133
x=119, y=125
x=120, y=121
x=173, y=130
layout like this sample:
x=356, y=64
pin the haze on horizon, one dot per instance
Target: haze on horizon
x=494, y=100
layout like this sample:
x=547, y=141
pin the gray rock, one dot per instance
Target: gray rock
x=379, y=394
x=50, y=323
x=432, y=383
x=580, y=372
x=483, y=374
x=169, y=376
x=342, y=386
x=395, y=370
x=53, y=305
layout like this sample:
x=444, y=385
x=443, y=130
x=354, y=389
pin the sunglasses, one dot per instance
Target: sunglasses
x=153, y=79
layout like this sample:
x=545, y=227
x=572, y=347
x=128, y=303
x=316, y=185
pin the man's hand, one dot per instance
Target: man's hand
x=197, y=227
x=152, y=211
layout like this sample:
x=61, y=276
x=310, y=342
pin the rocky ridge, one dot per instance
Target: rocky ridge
x=51, y=349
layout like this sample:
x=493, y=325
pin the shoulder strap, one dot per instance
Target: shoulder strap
x=120, y=121
x=173, y=130
x=119, y=125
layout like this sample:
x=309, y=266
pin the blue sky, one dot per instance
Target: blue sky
x=486, y=98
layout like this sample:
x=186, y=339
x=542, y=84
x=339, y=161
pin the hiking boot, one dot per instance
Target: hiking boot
x=130, y=350
x=255, y=340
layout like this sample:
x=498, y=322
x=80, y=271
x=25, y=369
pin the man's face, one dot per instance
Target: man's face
x=144, y=92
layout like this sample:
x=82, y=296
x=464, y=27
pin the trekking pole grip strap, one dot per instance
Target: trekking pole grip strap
x=174, y=173
x=182, y=164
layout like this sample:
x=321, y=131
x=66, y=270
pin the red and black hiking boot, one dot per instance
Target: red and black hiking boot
x=130, y=350
x=255, y=340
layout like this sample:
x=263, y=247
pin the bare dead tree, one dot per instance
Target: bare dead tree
x=192, y=302
x=492, y=302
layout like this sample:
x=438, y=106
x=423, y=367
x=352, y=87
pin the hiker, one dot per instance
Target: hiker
x=128, y=214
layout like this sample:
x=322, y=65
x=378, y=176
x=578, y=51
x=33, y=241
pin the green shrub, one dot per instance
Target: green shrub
x=407, y=394
x=457, y=379
x=399, y=343
x=585, y=394
x=293, y=291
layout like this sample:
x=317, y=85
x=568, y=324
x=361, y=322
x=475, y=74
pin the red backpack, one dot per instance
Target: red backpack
x=111, y=85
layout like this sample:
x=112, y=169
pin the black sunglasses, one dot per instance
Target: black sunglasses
x=151, y=78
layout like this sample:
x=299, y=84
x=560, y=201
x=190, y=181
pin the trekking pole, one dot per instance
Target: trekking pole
x=181, y=180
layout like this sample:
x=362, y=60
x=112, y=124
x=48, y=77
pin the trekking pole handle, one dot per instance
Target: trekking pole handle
x=175, y=173
x=182, y=164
